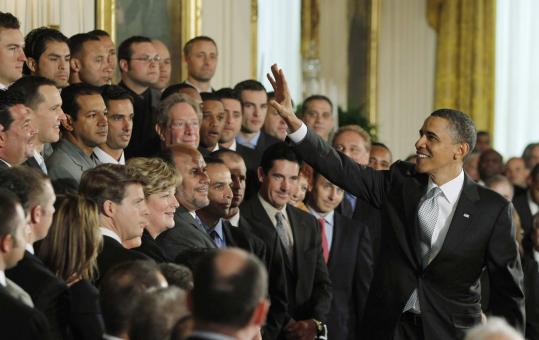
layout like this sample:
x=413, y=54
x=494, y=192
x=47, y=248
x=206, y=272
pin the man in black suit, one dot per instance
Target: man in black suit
x=122, y=212
x=308, y=284
x=49, y=294
x=16, y=129
x=440, y=230
x=527, y=203
x=347, y=250
x=237, y=283
x=17, y=319
x=274, y=258
x=188, y=232
x=43, y=98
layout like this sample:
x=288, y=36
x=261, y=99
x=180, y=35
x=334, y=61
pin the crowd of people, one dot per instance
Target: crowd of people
x=150, y=210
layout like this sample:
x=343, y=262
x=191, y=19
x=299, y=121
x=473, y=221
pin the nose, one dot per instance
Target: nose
x=22, y=56
x=285, y=185
x=228, y=192
x=102, y=120
x=420, y=142
x=144, y=209
x=174, y=202
x=189, y=128
x=61, y=115
x=64, y=64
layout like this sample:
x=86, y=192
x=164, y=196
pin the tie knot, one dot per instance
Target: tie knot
x=434, y=192
x=279, y=217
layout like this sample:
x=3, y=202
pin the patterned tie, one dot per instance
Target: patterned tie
x=216, y=239
x=283, y=235
x=427, y=217
x=325, y=246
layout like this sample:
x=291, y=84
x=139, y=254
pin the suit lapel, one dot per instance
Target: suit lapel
x=299, y=237
x=414, y=189
x=337, y=236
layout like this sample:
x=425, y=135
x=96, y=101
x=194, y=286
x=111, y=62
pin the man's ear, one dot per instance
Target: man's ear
x=109, y=208
x=260, y=174
x=3, y=136
x=67, y=123
x=75, y=65
x=160, y=132
x=462, y=150
x=32, y=64
x=6, y=243
x=124, y=65
x=35, y=214
x=258, y=318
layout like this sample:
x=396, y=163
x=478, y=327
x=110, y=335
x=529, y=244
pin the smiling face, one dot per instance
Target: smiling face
x=193, y=192
x=301, y=190
x=161, y=206
x=438, y=154
x=279, y=183
x=18, y=141
x=325, y=196
x=213, y=122
x=238, y=172
x=120, y=123
x=12, y=56
x=182, y=126
x=48, y=115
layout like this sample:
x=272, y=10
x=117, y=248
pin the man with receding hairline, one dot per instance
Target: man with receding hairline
x=12, y=56
x=200, y=54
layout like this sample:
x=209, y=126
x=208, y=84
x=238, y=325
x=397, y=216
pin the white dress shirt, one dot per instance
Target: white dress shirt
x=271, y=211
x=534, y=207
x=329, y=223
x=2, y=278
x=110, y=233
x=235, y=220
x=105, y=158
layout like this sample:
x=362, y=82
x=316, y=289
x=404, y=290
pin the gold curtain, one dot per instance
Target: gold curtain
x=465, y=57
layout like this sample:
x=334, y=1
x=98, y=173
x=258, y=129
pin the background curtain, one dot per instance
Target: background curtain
x=465, y=57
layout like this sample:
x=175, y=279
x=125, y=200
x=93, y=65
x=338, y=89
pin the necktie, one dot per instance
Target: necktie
x=216, y=239
x=283, y=235
x=427, y=217
x=325, y=246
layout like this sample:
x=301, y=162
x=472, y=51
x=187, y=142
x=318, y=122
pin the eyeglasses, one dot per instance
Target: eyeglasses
x=148, y=59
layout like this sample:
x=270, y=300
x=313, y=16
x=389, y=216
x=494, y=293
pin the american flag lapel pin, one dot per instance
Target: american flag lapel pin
x=466, y=215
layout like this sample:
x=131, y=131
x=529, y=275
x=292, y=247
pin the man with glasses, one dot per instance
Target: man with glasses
x=139, y=67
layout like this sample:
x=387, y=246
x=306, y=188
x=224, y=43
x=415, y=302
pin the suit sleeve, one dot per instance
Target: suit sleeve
x=505, y=271
x=339, y=169
x=363, y=275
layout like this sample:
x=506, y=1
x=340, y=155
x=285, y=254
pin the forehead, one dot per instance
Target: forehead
x=254, y=96
x=216, y=170
x=107, y=41
x=318, y=104
x=233, y=162
x=161, y=48
x=231, y=104
x=133, y=190
x=19, y=112
x=93, y=47
x=11, y=36
x=212, y=105
x=203, y=46
x=91, y=102
x=143, y=47
x=349, y=137
x=120, y=106
x=515, y=162
x=50, y=93
x=437, y=125
x=285, y=167
x=189, y=161
x=182, y=111
x=379, y=151
x=55, y=46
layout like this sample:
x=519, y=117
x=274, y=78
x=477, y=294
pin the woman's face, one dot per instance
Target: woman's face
x=297, y=197
x=162, y=206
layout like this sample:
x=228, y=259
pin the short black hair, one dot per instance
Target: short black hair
x=99, y=33
x=237, y=294
x=462, y=125
x=189, y=45
x=36, y=41
x=177, y=275
x=76, y=42
x=8, y=20
x=115, y=92
x=29, y=88
x=382, y=145
x=120, y=290
x=482, y=133
x=213, y=160
x=25, y=182
x=8, y=211
x=278, y=151
x=8, y=99
x=314, y=97
x=534, y=173
x=527, y=154
x=172, y=89
x=125, y=51
x=209, y=96
x=227, y=93
x=223, y=151
x=249, y=85
x=70, y=95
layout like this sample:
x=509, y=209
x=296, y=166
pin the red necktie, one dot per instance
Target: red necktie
x=325, y=246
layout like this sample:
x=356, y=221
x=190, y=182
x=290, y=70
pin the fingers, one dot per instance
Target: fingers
x=272, y=82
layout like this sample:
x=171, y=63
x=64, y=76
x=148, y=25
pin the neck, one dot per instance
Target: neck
x=135, y=87
x=115, y=153
x=78, y=143
x=38, y=146
x=108, y=223
x=446, y=175
x=248, y=135
x=153, y=231
x=74, y=78
x=207, y=218
x=202, y=86
x=227, y=145
x=232, y=212
x=246, y=333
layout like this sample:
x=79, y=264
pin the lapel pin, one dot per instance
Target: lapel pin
x=466, y=215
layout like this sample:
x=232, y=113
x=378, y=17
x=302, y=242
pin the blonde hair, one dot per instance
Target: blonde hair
x=73, y=242
x=159, y=174
x=357, y=129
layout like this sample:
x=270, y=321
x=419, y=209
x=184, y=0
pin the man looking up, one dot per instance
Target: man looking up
x=139, y=68
x=120, y=124
x=427, y=213
x=48, y=55
x=16, y=129
x=200, y=55
x=84, y=128
x=43, y=98
x=89, y=60
x=12, y=56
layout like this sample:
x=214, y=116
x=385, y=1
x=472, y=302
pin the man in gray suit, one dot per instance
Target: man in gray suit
x=192, y=194
x=84, y=128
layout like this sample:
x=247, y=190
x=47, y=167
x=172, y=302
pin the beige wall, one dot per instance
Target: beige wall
x=406, y=73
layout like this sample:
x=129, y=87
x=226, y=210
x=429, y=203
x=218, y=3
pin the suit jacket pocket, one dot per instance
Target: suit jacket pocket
x=465, y=321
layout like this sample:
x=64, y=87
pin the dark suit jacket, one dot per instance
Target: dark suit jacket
x=19, y=321
x=350, y=270
x=186, y=234
x=32, y=163
x=85, y=317
x=523, y=209
x=49, y=294
x=481, y=235
x=278, y=311
x=3, y=165
x=244, y=239
x=150, y=248
x=114, y=253
x=308, y=284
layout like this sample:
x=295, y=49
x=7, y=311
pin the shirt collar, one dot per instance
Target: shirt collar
x=218, y=228
x=450, y=189
x=9, y=165
x=3, y=278
x=30, y=248
x=39, y=158
x=104, y=157
x=271, y=210
x=253, y=141
x=235, y=220
x=110, y=233
x=111, y=337
x=328, y=217
x=210, y=335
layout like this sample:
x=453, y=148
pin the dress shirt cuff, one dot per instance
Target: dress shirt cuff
x=298, y=135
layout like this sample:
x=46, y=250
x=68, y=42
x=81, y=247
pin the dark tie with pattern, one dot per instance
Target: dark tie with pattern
x=283, y=235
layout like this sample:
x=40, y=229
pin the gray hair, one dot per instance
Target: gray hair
x=462, y=125
x=493, y=327
x=167, y=104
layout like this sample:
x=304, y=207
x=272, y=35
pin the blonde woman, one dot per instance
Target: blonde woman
x=159, y=191
x=70, y=251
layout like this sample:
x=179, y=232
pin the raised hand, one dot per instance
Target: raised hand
x=282, y=102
